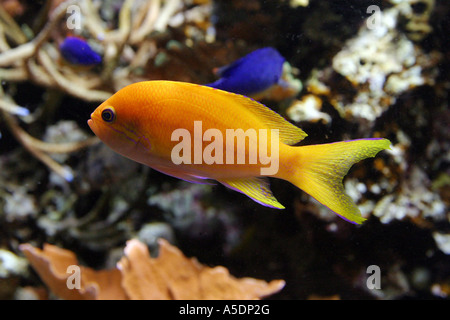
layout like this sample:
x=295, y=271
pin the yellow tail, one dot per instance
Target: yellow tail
x=322, y=168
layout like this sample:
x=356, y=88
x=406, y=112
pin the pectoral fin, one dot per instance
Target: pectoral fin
x=255, y=188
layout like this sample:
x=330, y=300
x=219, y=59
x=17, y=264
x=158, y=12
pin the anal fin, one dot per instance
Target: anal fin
x=255, y=188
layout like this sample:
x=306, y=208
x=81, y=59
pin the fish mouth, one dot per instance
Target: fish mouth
x=90, y=123
x=103, y=131
x=93, y=124
x=97, y=125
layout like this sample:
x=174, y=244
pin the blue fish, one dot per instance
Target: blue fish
x=251, y=74
x=78, y=52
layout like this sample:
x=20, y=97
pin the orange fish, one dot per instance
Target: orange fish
x=197, y=133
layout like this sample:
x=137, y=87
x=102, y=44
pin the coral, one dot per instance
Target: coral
x=307, y=109
x=298, y=3
x=19, y=205
x=189, y=210
x=12, y=268
x=415, y=200
x=151, y=232
x=10, y=264
x=37, y=60
x=382, y=63
x=170, y=276
x=416, y=14
x=442, y=241
x=52, y=265
x=375, y=71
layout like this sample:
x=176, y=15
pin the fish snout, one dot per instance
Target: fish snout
x=91, y=124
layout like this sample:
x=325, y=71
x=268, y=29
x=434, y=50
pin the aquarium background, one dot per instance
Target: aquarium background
x=354, y=69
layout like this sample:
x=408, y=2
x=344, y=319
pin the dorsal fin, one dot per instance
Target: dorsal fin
x=288, y=133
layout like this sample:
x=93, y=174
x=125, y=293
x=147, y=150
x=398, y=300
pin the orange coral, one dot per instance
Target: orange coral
x=140, y=277
x=51, y=264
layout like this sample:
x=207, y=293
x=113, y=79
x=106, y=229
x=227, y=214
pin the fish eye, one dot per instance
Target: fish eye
x=109, y=114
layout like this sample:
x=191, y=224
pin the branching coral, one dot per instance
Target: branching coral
x=39, y=148
x=39, y=61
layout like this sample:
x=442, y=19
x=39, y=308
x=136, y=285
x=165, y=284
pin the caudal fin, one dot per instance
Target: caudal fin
x=322, y=168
